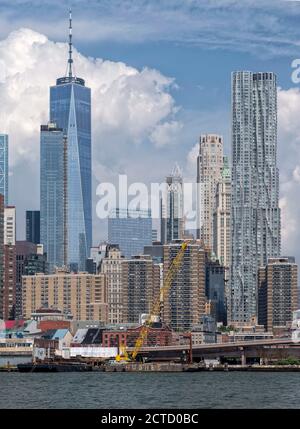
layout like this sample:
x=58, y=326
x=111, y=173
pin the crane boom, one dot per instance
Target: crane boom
x=155, y=310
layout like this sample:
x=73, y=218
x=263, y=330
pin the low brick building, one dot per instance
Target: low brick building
x=158, y=335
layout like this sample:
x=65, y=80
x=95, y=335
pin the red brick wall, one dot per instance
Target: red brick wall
x=159, y=337
x=46, y=325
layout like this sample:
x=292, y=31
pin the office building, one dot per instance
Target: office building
x=140, y=287
x=156, y=251
x=131, y=230
x=184, y=304
x=255, y=187
x=215, y=290
x=70, y=109
x=53, y=183
x=33, y=226
x=111, y=266
x=4, y=167
x=84, y=296
x=97, y=253
x=154, y=235
x=277, y=293
x=209, y=174
x=172, y=211
x=222, y=219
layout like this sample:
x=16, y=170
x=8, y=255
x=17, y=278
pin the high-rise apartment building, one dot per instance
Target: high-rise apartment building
x=53, y=180
x=4, y=167
x=222, y=218
x=82, y=295
x=9, y=262
x=111, y=266
x=277, y=293
x=9, y=281
x=70, y=109
x=172, y=210
x=23, y=250
x=185, y=302
x=131, y=230
x=10, y=225
x=140, y=287
x=209, y=174
x=255, y=187
x=1, y=256
x=33, y=226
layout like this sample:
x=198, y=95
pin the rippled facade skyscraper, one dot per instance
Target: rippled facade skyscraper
x=4, y=167
x=70, y=109
x=255, y=187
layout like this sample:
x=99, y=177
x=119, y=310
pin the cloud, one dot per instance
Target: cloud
x=289, y=156
x=166, y=133
x=132, y=110
x=126, y=102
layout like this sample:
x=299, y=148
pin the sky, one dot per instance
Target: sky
x=160, y=76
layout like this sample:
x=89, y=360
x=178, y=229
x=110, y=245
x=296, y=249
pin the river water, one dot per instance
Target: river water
x=150, y=390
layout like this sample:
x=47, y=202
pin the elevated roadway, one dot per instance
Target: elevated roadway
x=267, y=349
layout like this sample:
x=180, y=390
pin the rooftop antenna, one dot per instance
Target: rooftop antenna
x=70, y=60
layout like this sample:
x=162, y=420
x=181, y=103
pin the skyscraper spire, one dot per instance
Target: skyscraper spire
x=69, y=76
x=70, y=60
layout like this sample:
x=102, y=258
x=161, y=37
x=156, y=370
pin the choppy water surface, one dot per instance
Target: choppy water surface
x=156, y=390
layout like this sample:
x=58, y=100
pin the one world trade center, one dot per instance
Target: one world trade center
x=70, y=109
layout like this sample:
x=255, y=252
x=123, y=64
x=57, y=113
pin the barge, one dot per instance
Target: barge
x=55, y=367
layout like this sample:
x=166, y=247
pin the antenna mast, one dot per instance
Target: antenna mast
x=70, y=60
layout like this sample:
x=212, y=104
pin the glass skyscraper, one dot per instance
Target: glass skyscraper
x=33, y=226
x=70, y=109
x=255, y=187
x=52, y=194
x=171, y=205
x=4, y=167
x=131, y=230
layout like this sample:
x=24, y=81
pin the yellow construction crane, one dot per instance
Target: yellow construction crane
x=155, y=310
x=123, y=355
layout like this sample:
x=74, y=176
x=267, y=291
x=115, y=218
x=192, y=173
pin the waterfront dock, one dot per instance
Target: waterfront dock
x=178, y=367
x=8, y=368
x=165, y=367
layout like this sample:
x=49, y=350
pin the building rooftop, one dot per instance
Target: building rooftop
x=60, y=334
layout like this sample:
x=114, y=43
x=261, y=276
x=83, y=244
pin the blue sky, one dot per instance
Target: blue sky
x=197, y=43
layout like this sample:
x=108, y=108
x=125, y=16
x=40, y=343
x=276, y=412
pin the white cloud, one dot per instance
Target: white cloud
x=289, y=156
x=166, y=133
x=129, y=108
x=126, y=101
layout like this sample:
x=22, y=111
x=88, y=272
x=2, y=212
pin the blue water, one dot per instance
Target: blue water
x=151, y=390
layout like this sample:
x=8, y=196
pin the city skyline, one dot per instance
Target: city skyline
x=208, y=120
x=149, y=207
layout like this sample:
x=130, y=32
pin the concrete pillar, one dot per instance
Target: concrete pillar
x=243, y=356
